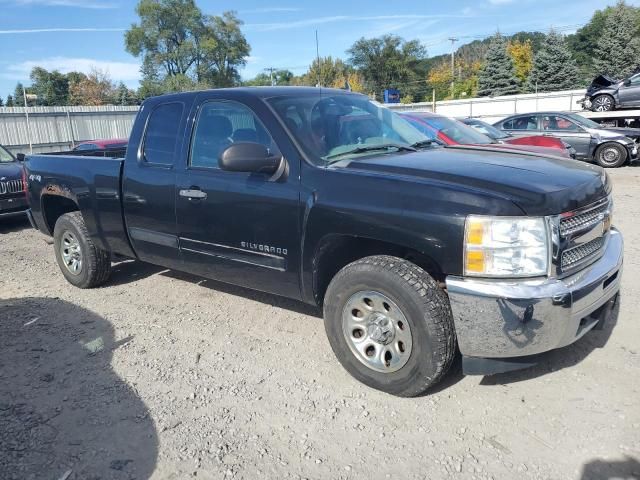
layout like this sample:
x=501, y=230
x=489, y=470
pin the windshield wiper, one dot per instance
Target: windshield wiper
x=372, y=148
x=423, y=143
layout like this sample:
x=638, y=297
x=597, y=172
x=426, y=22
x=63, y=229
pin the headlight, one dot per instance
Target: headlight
x=506, y=247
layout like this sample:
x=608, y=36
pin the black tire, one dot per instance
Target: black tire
x=603, y=103
x=95, y=265
x=425, y=307
x=611, y=155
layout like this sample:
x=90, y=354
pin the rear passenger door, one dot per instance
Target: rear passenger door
x=149, y=183
x=237, y=227
x=522, y=126
x=569, y=131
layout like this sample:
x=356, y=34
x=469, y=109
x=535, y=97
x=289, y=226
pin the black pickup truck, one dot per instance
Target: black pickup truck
x=412, y=250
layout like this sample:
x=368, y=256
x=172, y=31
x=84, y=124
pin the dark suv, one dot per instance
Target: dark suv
x=12, y=186
x=608, y=147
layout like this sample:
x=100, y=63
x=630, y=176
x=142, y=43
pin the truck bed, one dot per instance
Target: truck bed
x=93, y=183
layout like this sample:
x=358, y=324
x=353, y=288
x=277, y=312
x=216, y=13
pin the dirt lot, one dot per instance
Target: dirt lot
x=167, y=376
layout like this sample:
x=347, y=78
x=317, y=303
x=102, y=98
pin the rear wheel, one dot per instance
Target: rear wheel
x=81, y=262
x=390, y=325
x=611, y=155
x=603, y=103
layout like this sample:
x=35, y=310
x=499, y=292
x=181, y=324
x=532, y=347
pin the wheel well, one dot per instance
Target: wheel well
x=337, y=251
x=53, y=207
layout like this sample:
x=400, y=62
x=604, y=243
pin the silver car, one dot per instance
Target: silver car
x=608, y=147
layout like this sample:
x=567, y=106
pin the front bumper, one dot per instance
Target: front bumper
x=506, y=319
x=13, y=206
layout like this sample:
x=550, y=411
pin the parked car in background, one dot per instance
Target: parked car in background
x=533, y=140
x=608, y=147
x=413, y=252
x=453, y=132
x=13, y=199
x=102, y=144
x=605, y=93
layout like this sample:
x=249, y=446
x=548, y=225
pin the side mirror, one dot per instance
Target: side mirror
x=627, y=82
x=249, y=157
x=20, y=157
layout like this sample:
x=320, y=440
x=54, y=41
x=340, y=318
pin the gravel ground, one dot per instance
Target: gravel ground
x=167, y=376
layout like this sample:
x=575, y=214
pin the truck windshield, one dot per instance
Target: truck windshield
x=335, y=126
x=5, y=156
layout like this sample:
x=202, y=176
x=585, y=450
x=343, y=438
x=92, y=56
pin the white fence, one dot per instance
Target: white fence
x=495, y=108
x=49, y=129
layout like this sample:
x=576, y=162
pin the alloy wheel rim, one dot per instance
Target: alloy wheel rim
x=71, y=253
x=603, y=104
x=610, y=155
x=377, y=331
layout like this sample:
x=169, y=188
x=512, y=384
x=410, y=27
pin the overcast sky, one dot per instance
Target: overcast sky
x=78, y=34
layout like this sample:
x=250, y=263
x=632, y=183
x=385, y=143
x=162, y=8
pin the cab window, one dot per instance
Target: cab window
x=161, y=135
x=221, y=124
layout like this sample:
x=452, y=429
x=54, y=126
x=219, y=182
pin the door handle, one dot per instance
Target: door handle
x=193, y=194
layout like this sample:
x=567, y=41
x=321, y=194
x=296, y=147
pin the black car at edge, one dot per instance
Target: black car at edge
x=13, y=199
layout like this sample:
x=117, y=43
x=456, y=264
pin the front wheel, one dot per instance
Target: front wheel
x=82, y=263
x=611, y=155
x=603, y=103
x=390, y=325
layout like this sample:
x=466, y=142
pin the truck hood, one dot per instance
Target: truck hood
x=11, y=170
x=538, y=185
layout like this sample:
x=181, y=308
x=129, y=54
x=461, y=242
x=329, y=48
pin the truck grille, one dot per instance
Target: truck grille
x=583, y=221
x=11, y=186
x=577, y=255
x=583, y=235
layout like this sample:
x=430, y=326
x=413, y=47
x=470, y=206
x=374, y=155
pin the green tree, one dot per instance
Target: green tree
x=618, y=50
x=498, y=75
x=553, y=66
x=328, y=72
x=280, y=77
x=10, y=102
x=390, y=62
x=18, y=96
x=1, y=102
x=584, y=42
x=52, y=88
x=175, y=39
x=124, y=95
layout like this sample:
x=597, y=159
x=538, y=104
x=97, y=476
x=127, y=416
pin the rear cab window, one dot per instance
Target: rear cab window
x=162, y=134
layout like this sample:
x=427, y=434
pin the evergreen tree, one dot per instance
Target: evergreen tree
x=10, y=101
x=553, y=66
x=18, y=95
x=1, y=102
x=498, y=74
x=618, y=50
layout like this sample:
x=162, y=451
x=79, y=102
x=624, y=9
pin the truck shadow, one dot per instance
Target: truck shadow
x=14, y=224
x=610, y=470
x=261, y=297
x=127, y=271
x=64, y=413
x=562, y=358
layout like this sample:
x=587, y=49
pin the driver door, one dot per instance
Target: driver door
x=236, y=227
x=569, y=131
x=629, y=95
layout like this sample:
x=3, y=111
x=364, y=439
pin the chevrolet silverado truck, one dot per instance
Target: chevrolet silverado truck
x=413, y=251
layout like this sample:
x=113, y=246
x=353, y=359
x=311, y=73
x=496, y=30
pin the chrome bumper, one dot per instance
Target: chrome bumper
x=504, y=319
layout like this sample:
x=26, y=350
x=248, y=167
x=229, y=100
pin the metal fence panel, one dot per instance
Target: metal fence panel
x=57, y=128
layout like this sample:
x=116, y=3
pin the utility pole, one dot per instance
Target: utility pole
x=270, y=70
x=26, y=113
x=453, y=40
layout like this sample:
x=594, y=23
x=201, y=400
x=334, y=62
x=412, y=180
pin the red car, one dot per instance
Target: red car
x=102, y=144
x=453, y=132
